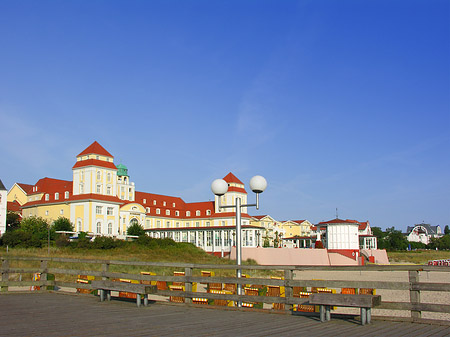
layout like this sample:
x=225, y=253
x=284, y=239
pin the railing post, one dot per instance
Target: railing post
x=43, y=277
x=414, y=295
x=5, y=274
x=188, y=285
x=105, y=269
x=288, y=292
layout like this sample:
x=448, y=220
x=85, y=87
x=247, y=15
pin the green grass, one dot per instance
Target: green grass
x=180, y=253
x=417, y=256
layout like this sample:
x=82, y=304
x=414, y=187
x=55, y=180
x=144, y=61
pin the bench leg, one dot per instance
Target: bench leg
x=102, y=295
x=327, y=312
x=138, y=300
x=363, y=316
x=145, y=300
x=322, y=313
x=108, y=295
x=369, y=315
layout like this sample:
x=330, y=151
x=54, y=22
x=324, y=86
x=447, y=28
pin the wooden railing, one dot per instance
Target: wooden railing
x=17, y=271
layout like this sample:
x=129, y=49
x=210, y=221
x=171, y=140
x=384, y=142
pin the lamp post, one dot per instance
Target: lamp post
x=219, y=187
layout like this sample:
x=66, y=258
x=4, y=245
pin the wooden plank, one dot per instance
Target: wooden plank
x=122, y=286
x=344, y=300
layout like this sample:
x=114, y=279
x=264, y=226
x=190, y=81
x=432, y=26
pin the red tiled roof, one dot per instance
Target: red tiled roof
x=25, y=187
x=337, y=221
x=94, y=162
x=13, y=206
x=197, y=228
x=95, y=148
x=50, y=185
x=231, y=178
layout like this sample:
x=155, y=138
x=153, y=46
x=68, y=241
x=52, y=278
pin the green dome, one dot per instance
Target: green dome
x=122, y=170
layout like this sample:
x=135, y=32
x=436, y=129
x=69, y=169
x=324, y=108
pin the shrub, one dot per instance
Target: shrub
x=62, y=241
x=106, y=242
x=62, y=224
x=16, y=238
x=135, y=229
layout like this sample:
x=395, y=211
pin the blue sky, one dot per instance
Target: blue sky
x=339, y=104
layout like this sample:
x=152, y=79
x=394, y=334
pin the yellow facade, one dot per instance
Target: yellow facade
x=16, y=193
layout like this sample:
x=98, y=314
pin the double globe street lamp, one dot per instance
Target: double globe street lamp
x=219, y=187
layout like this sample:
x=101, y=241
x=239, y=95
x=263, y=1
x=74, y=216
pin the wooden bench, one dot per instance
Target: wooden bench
x=364, y=302
x=105, y=287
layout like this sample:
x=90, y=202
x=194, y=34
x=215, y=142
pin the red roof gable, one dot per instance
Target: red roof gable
x=95, y=148
x=13, y=206
x=25, y=187
x=231, y=178
x=50, y=185
x=94, y=162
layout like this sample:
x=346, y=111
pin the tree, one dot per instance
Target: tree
x=38, y=228
x=62, y=224
x=395, y=240
x=135, y=229
x=446, y=230
x=12, y=221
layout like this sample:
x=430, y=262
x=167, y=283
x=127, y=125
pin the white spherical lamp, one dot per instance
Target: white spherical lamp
x=258, y=184
x=219, y=187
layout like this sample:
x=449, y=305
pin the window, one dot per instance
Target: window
x=82, y=175
x=99, y=175
x=208, y=224
x=47, y=197
x=144, y=201
x=99, y=227
x=209, y=238
x=97, y=157
x=177, y=224
x=197, y=224
x=108, y=177
x=164, y=203
x=223, y=223
x=108, y=190
x=158, y=211
x=173, y=204
x=188, y=213
x=218, y=239
x=79, y=226
x=61, y=211
x=147, y=209
x=66, y=195
x=154, y=202
x=110, y=211
x=177, y=213
x=167, y=212
x=188, y=224
x=46, y=212
x=109, y=228
x=197, y=213
x=208, y=212
x=98, y=209
x=99, y=188
x=56, y=196
x=158, y=224
x=168, y=224
x=147, y=222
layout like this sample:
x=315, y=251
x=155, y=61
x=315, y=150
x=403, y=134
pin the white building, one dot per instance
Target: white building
x=3, y=211
x=423, y=233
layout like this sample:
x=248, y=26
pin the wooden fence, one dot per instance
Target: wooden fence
x=17, y=272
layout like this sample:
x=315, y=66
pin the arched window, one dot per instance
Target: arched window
x=197, y=213
x=134, y=221
x=110, y=228
x=80, y=228
x=99, y=227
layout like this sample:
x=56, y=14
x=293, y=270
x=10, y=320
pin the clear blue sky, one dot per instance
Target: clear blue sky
x=339, y=104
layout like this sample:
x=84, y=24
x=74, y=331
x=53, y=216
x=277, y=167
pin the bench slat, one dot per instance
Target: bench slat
x=122, y=286
x=345, y=300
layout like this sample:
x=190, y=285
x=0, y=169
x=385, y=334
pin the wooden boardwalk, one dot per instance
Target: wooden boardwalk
x=52, y=314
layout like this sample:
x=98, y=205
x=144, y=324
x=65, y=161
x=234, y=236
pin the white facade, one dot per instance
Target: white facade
x=342, y=236
x=3, y=211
